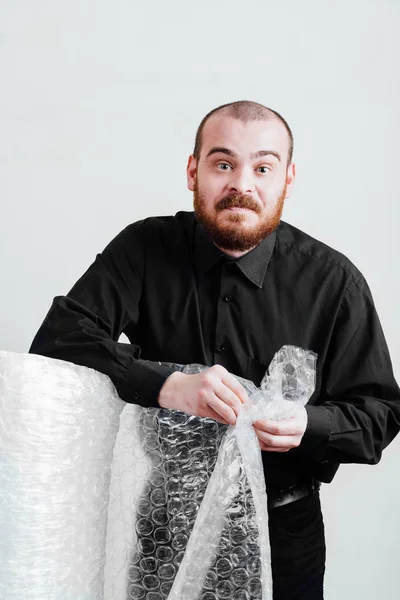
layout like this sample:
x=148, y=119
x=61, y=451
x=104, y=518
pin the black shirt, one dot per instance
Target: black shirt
x=179, y=299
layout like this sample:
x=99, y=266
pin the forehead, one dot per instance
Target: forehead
x=244, y=137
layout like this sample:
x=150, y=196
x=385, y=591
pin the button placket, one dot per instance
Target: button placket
x=223, y=317
x=224, y=346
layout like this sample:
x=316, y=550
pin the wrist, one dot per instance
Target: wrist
x=168, y=392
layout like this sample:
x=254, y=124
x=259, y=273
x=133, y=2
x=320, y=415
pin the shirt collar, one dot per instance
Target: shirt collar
x=253, y=264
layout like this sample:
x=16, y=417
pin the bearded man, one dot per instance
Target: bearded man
x=227, y=286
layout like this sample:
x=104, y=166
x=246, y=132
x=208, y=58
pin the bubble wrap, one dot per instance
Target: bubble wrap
x=188, y=517
x=58, y=424
x=187, y=512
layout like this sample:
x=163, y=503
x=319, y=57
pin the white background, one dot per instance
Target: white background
x=99, y=104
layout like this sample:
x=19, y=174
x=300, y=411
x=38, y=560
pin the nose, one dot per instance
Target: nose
x=242, y=181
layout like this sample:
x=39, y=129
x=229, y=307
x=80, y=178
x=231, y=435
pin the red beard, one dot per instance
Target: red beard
x=232, y=236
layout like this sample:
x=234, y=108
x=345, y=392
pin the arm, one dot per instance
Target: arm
x=84, y=326
x=358, y=411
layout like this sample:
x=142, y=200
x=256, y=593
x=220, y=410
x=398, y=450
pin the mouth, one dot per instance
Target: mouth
x=239, y=204
x=238, y=209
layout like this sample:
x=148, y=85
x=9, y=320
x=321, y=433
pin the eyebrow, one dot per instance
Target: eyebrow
x=222, y=150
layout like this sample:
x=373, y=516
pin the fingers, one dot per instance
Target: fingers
x=222, y=409
x=285, y=427
x=223, y=393
x=276, y=443
x=281, y=436
x=267, y=448
x=233, y=384
x=211, y=414
x=226, y=395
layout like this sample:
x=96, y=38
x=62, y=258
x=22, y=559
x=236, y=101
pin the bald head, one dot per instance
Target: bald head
x=245, y=111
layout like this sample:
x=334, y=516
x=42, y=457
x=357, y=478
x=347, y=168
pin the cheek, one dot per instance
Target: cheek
x=210, y=180
x=212, y=185
x=210, y=192
x=270, y=197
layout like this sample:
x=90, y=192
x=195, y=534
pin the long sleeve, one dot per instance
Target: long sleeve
x=358, y=412
x=83, y=327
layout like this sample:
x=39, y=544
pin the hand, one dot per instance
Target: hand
x=214, y=393
x=281, y=436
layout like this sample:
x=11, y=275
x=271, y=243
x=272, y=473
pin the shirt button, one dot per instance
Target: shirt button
x=227, y=298
x=136, y=395
x=224, y=347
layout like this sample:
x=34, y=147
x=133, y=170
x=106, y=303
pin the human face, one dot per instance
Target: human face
x=240, y=181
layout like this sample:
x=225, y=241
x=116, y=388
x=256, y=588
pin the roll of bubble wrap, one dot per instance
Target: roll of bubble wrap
x=58, y=424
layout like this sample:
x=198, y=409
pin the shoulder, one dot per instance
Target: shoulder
x=154, y=229
x=305, y=248
x=166, y=226
x=151, y=241
x=158, y=239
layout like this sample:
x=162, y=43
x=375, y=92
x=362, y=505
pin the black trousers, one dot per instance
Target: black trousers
x=298, y=550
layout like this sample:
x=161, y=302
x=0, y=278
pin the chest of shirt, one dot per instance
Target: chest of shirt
x=220, y=317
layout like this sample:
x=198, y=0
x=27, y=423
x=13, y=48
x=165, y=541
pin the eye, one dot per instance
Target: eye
x=223, y=166
x=263, y=169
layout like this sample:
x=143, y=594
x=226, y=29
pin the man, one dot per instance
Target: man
x=228, y=286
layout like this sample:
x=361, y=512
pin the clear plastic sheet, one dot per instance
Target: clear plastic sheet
x=187, y=508
x=189, y=516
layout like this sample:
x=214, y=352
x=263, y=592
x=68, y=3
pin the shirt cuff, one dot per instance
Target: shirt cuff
x=144, y=382
x=317, y=434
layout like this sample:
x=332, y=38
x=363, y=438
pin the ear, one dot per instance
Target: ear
x=191, y=172
x=290, y=177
